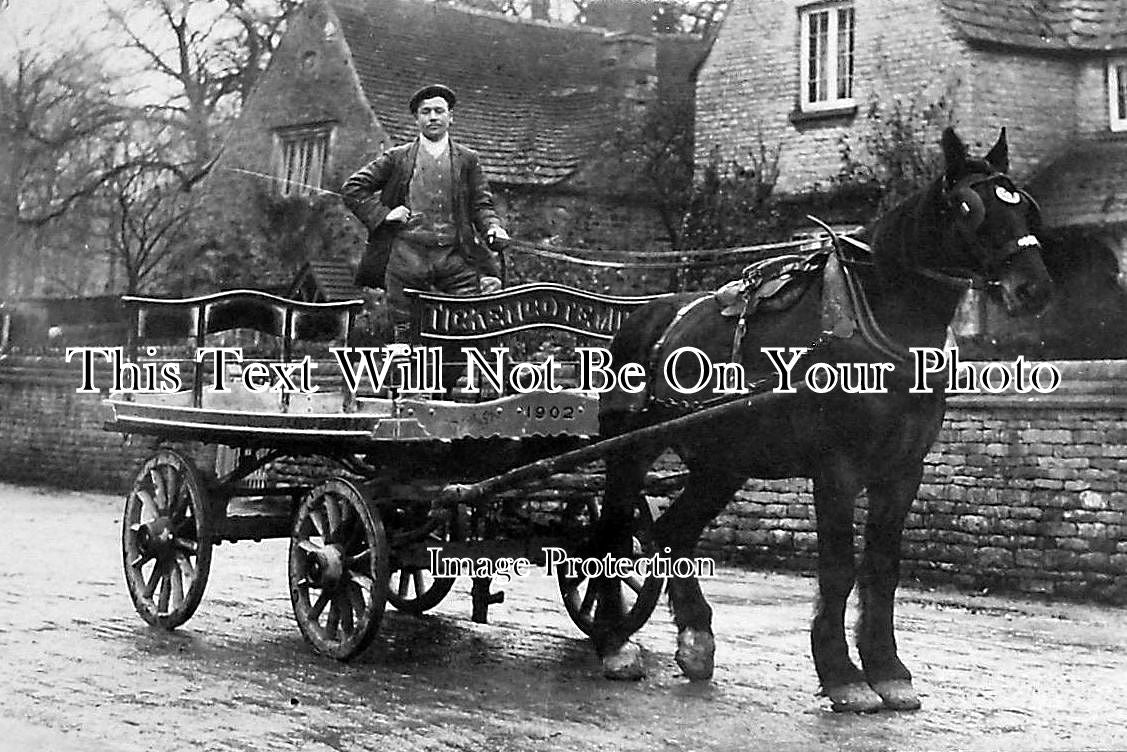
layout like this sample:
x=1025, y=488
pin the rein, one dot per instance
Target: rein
x=854, y=315
x=846, y=311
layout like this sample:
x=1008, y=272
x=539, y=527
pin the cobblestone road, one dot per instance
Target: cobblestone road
x=80, y=671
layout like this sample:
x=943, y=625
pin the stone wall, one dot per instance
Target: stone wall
x=1026, y=494
x=51, y=435
x=1019, y=494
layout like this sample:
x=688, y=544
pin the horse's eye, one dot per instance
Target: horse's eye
x=1007, y=196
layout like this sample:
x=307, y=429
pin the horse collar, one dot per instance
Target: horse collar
x=846, y=310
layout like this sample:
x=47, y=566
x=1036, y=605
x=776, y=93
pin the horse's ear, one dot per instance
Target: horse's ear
x=999, y=156
x=954, y=154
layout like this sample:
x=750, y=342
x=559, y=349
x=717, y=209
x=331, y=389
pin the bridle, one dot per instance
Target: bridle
x=965, y=204
x=960, y=198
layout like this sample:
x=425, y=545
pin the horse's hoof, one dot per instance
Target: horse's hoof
x=854, y=698
x=897, y=694
x=624, y=664
x=695, y=651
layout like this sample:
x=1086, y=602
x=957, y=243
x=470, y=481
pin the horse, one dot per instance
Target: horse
x=970, y=226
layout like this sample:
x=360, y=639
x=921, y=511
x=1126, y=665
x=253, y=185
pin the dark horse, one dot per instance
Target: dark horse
x=970, y=226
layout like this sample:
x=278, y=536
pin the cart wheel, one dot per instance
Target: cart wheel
x=338, y=569
x=166, y=540
x=640, y=595
x=414, y=589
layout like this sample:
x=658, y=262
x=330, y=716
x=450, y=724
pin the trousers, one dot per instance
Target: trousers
x=424, y=267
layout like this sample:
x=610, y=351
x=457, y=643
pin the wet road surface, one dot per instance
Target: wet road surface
x=79, y=670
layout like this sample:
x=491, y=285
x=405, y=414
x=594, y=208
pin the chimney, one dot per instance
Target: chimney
x=630, y=69
x=632, y=16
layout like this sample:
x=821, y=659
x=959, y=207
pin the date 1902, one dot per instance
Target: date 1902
x=549, y=412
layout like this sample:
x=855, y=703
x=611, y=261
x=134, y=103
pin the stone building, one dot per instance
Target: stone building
x=813, y=79
x=539, y=101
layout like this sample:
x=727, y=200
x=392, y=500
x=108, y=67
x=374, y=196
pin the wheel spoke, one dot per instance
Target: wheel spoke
x=308, y=546
x=362, y=580
x=420, y=583
x=187, y=567
x=332, y=620
x=172, y=486
x=360, y=559
x=186, y=522
x=140, y=560
x=151, y=584
x=589, y=598
x=165, y=592
x=356, y=596
x=332, y=513
x=161, y=498
x=187, y=545
x=404, y=582
x=348, y=516
x=148, y=501
x=316, y=609
x=305, y=529
x=177, y=578
x=181, y=506
x=319, y=522
x=345, y=606
x=635, y=583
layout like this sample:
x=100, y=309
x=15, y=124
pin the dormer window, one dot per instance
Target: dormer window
x=1117, y=93
x=826, y=57
x=302, y=155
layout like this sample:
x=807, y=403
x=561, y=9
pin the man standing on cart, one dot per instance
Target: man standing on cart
x=426, y=205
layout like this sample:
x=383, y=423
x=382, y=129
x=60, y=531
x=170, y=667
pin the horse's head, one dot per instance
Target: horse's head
x=994, y=225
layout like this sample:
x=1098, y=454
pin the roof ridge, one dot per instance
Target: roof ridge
x=459, y=8
x=1081, y=26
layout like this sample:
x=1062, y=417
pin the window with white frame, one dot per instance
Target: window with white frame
x=302, y=154
x=1117, y=93
x=826, y=56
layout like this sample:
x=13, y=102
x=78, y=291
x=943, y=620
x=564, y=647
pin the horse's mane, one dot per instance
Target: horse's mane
x=898, y=236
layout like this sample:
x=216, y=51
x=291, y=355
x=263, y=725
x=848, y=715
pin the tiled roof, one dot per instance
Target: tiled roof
x=1085, y=186
x=1061, y=25
x=528, y=95
x=530, y=99
x=324, y=281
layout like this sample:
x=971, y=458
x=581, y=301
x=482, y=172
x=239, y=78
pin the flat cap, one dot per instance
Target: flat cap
x=427, y=92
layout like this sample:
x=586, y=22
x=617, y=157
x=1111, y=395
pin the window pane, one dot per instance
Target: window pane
x=288, y=159
x=303, y=158
x=818, y=38
x=844, y=53
x=1121, y=91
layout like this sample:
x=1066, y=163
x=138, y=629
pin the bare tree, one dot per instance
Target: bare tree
x=54, y=114
x=211, y=53
x=142, y=207
x=652, y=160
x=699, y=17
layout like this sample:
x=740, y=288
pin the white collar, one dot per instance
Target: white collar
x=435, y=148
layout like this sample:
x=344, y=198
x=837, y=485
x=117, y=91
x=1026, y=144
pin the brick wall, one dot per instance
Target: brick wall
x=1022, y=494
x=748, y=88
x=51, y=435
x=589, y=222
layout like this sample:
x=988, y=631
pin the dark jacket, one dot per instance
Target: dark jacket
x=381, y=185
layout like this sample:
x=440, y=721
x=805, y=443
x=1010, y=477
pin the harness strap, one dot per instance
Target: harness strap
x=682, y=312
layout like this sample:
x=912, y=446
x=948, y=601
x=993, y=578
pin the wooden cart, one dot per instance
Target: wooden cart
x=378, y=455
